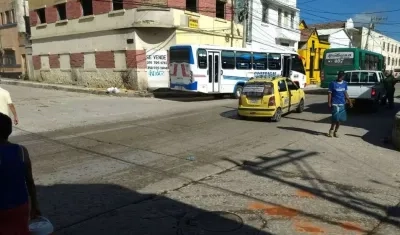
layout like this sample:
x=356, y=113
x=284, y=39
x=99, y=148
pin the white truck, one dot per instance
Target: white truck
x=366, y=86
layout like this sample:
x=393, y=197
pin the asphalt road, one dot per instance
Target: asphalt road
x=107, y=165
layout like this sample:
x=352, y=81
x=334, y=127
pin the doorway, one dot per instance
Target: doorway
x=214, y=71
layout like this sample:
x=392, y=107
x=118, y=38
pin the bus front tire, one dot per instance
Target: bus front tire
x=238, y=92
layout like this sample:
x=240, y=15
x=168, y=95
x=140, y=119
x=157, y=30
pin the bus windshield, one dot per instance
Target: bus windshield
x=179, y=55
x=344, y=58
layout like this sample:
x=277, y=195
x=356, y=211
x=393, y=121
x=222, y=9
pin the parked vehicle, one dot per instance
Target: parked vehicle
x=270, y=98
x=342, y=59
x=366, y=86
x=224, y=70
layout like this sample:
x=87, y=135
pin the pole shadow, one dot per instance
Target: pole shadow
x=112, y=209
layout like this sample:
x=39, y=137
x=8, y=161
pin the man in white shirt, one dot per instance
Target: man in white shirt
x=6, y=105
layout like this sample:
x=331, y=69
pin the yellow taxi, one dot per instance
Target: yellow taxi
x=270, y=98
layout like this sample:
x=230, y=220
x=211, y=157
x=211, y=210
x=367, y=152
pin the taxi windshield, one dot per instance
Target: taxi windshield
x=258, y=89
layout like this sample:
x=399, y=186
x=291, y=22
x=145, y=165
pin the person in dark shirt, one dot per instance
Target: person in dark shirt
x=17, y=187
x=337, y=97
x=389, y=84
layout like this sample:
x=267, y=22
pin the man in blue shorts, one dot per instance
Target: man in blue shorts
x=337, y=98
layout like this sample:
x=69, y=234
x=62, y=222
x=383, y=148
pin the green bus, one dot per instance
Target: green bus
x=342, y=59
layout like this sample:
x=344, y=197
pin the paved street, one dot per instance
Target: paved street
x=151, y=166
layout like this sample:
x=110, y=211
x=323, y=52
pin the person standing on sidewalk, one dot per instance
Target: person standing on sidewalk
x=389, y=84
x=6, y=105
x=18, y=201
x=337, y=98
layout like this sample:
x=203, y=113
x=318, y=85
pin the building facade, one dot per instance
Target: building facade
x=122, y=43
x=13, y=59
x=380, y=43
x=311, y=49
x=273, y=25
x=337, y=38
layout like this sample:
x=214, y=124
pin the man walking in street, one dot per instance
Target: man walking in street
x=6, y=105
x=389, y=84
x=337, y=98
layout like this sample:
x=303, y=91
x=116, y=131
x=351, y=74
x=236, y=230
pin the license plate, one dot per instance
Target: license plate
x=254, y=101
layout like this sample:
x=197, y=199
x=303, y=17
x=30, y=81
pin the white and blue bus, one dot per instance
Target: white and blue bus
x=224, y=70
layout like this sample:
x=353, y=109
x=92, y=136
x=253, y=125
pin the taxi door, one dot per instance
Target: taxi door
x=284, y=96
x=294, y=94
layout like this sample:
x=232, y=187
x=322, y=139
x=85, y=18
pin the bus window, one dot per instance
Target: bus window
x=228, y=59
x=274, y=61
x=367, y=62
x=243, y=60
x=202, y=58
x=297, y=64
x=260, y=61
x=179, y=55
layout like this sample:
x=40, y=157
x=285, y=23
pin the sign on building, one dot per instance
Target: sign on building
x=157, y=68
x=193, y=23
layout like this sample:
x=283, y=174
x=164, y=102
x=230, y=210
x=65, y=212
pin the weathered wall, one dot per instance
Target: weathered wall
x=110, y=47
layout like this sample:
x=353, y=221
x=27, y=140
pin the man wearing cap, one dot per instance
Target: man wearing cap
x=337, y=98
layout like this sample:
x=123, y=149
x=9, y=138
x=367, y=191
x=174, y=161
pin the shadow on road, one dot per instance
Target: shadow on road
x=112, y=209
x=182, y=96
x=316, y=186
x=378, y=125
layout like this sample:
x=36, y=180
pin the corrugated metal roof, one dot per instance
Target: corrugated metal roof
x=305, y=34
x=330, y=25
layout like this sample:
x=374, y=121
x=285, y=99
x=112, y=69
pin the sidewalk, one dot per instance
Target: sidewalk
x=123, y=92
x=72, y=88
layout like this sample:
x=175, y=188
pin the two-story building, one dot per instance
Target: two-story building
x=122, y=43
x=12, y=38
x=380, y=43
x=311, y=49
x=273, y=25
x=338, y=34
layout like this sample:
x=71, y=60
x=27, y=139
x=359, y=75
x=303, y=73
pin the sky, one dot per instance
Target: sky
x=361, y=11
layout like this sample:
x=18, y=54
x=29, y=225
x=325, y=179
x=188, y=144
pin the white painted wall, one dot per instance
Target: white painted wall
x=339, y=40
x=379, y=43
x=270, y=35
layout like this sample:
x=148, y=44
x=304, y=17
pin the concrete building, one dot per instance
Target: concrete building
x=338, y=34
x=379, y=43
x=338, y=38
x=122, y=43
x=273, y=25
x=13, y=58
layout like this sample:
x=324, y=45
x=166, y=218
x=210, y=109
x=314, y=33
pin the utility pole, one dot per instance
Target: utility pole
x=369, y=33
x=371, y=27
x=232, y=20
x=244, y=15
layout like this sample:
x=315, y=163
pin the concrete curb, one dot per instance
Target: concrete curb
x=396, y=131
x=316, y=91
x=73, y=88
x=161, y=93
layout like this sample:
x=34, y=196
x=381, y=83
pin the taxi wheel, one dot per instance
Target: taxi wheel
x=277, y=116
x=300, y=108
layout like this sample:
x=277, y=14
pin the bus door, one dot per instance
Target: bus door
x=214, y=71
x=287, y=66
